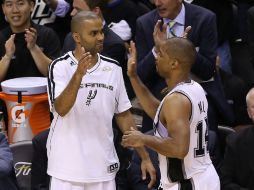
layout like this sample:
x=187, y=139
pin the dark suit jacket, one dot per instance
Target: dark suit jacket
x=204, y=37
x=237, y=171
x=250, y=22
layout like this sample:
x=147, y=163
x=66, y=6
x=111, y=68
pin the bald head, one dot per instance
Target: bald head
x=81, y=17
x=250, y=97
x=181, y=49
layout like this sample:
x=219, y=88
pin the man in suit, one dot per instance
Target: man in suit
x=237, y=171
x=203, y=35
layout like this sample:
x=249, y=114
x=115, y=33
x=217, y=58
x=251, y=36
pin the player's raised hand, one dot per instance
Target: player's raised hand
x=132, y=61
x=84, y=62
x=30, y=37
x=159, y=33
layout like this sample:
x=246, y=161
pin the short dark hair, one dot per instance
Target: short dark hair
x=181, y=49
x=80, y=17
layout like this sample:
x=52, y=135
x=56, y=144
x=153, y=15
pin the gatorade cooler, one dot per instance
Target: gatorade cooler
x=27, y=105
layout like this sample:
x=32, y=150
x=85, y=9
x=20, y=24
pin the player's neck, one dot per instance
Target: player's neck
x=78, y=54
x=174, y=81
x=94, y=60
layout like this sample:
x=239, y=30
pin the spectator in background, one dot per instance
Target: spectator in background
x=26, y=48
x=241, y=18
x=203, y=35
x=237, y=171
x=8, y=179
x=54, y=14
x=223, y=10
x=118, y=10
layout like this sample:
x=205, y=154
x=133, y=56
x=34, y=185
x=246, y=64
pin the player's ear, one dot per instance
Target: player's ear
x=76, y=36
x=174, y=63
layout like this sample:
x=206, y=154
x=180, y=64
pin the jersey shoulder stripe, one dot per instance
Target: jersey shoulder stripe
x=64, y=57
x=109, y=60
x=51, y=83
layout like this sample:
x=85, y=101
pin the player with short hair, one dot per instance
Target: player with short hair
x=86, y=90
x=180, y=119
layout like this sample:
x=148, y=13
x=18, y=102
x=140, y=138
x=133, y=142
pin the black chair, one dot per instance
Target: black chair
x=22, y=157
x=223, y=132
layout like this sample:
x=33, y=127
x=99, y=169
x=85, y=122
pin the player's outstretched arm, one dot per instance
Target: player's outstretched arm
x=145, y=97
x=175, y=116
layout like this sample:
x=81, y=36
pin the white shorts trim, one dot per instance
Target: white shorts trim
x=208, y=180
x=56, y=184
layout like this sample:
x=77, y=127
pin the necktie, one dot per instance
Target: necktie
x=170, y=31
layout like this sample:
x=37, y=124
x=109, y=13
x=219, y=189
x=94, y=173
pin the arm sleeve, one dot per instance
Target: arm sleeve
x=62, y=8
x=57, y=81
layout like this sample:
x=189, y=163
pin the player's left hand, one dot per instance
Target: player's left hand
x=132, y=61
x=30, y=37
x=147, y=167
x=133, y=138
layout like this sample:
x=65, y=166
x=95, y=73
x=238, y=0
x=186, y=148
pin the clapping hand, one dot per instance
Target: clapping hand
x=84, y=62
x=159, y=33
x=132, y=61
x=30, y=37
x=10, y=47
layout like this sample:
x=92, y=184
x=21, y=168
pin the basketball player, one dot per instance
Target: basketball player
x=180, y=120
x=86, y=89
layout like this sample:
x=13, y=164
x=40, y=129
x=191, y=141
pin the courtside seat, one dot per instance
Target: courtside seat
x=22, y=156
x=224, y=131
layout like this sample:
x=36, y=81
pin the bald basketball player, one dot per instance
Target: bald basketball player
x=180, y=119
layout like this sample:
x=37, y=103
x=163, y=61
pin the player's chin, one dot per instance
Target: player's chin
x=99, y=47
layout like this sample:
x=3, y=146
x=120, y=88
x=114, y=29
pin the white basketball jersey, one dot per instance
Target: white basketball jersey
x=197, y=160
x=80, y=145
